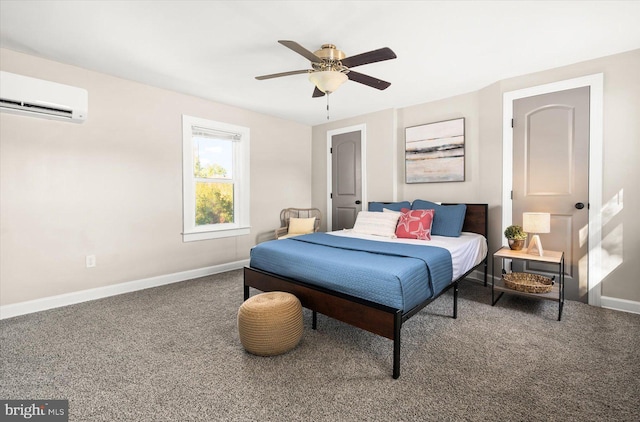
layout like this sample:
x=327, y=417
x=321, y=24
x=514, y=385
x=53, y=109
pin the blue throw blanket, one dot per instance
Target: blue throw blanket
x=392, y=274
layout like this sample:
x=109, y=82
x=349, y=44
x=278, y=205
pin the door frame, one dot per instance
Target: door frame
x=596, y=114
x=362, y=128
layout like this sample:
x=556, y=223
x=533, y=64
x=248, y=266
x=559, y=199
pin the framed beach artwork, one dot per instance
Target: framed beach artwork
x=434, y=152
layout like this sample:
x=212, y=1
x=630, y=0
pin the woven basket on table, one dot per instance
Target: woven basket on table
x=527, y=282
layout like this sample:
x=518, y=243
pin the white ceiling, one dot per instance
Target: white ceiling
x=214, y=49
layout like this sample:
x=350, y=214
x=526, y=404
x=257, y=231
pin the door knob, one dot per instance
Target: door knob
x=358, y=202
x=579, y=205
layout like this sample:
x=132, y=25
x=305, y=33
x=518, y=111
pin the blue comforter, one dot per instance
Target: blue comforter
x=392, y=274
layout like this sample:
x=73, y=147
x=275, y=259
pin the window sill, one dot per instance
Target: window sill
x=218, y=234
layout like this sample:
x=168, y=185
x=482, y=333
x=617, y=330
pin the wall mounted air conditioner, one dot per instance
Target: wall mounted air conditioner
x=38, y=98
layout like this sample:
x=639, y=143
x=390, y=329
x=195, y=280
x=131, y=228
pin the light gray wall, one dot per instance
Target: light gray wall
x=112, y=186
x=380, y=165
x=483, y=156
x=483, y=113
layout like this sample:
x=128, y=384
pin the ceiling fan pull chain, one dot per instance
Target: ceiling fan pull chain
x=327, y=106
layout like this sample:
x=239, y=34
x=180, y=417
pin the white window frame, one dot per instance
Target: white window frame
x=241, y=198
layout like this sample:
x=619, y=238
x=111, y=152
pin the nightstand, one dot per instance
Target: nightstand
x=550, y=257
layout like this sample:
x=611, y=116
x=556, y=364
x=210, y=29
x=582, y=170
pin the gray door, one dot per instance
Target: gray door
x=550, y=174
x=346, y=179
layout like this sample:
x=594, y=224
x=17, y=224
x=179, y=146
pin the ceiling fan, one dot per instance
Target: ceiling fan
x=330, y=67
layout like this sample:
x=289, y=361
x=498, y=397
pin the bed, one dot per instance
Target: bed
x=371, y=283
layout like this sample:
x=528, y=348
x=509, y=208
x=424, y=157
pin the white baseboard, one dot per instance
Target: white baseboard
x=37, y=305
x=620, y=304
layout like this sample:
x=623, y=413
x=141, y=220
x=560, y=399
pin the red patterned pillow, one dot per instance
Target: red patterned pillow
x=415, y=224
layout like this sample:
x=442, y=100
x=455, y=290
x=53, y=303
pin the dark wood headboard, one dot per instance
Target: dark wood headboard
x=477, y=219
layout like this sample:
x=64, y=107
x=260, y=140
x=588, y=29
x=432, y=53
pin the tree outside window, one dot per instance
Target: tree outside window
x=213, y=171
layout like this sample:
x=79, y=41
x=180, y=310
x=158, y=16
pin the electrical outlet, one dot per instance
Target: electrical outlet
x=91, y=261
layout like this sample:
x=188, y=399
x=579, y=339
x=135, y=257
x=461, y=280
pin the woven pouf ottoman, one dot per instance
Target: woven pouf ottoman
x=270, y=323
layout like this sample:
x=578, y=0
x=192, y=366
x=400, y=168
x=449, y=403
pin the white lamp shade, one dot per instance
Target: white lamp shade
x=328, y=81
x=536, y=222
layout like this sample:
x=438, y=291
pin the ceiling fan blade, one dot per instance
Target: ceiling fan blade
x=368, y=80
x=277, y=75
x=300, y=50
x=317, y=93
x=370, y=57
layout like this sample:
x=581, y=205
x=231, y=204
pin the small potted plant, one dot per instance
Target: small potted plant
x=516, y=237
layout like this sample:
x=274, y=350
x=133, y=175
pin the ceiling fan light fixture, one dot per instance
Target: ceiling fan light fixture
x=328, y=81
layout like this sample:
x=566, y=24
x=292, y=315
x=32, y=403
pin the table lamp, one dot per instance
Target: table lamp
x=535, y=223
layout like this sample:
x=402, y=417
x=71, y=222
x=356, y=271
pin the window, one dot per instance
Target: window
x=215, y=179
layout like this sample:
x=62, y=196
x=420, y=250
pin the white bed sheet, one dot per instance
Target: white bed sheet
x=467, y=251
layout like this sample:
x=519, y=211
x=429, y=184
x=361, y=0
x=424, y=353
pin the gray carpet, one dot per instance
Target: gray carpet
x=172, y=354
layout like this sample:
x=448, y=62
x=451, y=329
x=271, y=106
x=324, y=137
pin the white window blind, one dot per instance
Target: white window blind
x=209, y=133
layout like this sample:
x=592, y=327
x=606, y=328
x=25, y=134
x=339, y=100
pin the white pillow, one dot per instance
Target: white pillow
x=301, y=225
x=388, y=210
x=377, y=223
